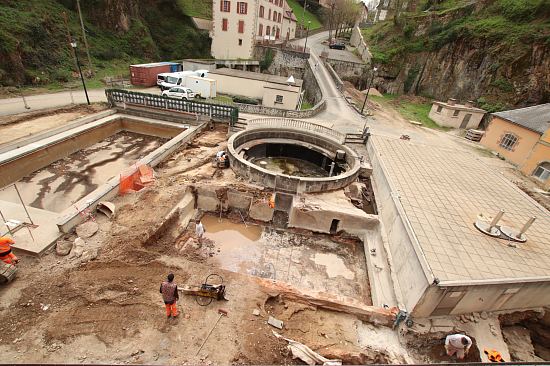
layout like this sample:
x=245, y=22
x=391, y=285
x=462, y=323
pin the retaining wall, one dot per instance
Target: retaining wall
x=285, y=62
x=278, y=112
x=359, y=43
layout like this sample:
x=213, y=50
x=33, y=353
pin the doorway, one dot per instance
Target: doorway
x=334, y=226
x=465, y=121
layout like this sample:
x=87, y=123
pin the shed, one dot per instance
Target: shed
x=146, y=74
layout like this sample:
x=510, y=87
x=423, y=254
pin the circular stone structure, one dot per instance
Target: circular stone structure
x=259, y=152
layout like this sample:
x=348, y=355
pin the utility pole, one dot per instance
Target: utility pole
x=304, y=18
x=368, y=89
x=69, y=38
x=85, y=39
x=73, y=45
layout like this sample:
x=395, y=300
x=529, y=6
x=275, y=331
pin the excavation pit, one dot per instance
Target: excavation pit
x=312, y=262
x=293, y=156
x=62, y=174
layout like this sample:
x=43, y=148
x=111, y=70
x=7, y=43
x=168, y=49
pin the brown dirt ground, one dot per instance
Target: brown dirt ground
x=109, y=310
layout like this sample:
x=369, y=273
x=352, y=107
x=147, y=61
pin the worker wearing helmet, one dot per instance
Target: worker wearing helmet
x=6, y=254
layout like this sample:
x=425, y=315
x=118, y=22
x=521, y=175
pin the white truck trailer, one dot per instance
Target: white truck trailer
x=202, y=86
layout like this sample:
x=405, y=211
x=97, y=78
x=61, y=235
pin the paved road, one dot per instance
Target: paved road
x=11, y=106
x=338, y=114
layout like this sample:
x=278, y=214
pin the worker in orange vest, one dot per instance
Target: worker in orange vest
x=493, y=355
x=5, y=250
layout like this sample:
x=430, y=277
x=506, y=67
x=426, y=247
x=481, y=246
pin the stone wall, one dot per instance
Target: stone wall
x=359, y=43
x=287, y=183
x=357, y=73
x=285, y=63
x=311, y=86
x=278, y=112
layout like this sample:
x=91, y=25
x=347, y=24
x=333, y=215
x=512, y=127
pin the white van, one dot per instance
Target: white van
x=169, y=80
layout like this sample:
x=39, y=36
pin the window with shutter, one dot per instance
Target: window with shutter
x=261, y=11
x=225, y=6
x=261, y=30
x=241, y=26
x=224, y=24
x=242, y=8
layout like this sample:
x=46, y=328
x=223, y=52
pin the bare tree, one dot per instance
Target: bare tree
x=346, y=13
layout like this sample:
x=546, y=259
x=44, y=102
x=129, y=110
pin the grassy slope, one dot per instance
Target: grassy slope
x=196, y=8
x=299, y=12
x=411, y=110
x=33, y=32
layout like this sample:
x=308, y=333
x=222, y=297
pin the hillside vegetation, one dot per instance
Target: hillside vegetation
x=34, y=46
x=196, y=8
x=303, y=19
x=495, y=51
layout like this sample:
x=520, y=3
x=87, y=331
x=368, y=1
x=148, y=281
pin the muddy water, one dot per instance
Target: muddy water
x=238, y=245
x=292, y=167
x=60, y=184
x=310, y=262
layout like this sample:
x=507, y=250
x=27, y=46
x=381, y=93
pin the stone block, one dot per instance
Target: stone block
x=239, y=200
x=261, y=211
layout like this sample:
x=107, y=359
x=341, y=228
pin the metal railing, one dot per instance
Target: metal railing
x=292, y=123
x=117, y=97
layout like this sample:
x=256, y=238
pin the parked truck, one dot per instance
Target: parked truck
x=169, y=80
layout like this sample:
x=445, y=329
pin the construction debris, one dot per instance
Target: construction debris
x=275, y=322
x=87, y=229
x=106, y=208
x=306, y=354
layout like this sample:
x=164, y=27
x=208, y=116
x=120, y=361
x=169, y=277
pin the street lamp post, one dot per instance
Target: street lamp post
x=368, y=89
x=73, y=45
x=307, y=34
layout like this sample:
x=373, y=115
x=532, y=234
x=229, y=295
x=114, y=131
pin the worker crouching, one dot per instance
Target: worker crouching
x=170, y=296
x=6, y=254
x=458, y=344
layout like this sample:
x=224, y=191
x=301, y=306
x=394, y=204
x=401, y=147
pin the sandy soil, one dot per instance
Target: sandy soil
x=61, y=309
x=25, y=125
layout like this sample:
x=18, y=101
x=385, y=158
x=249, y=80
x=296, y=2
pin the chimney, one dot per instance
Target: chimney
x=451, y=101
x=469, y=104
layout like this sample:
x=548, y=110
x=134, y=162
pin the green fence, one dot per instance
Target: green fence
x=117, y=97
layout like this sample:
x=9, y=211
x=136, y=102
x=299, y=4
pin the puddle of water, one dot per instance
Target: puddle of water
x=334, y=265
x=238, y=245
x=65, y=181
x=292, y=167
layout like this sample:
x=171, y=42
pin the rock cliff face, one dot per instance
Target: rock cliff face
x=471, y=52
x=466, y=71
x=34, y=46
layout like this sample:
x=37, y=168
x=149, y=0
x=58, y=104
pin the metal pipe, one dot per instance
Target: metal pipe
x=6, y=223
x=526, y=226
x=496, y=219
x=23, y=203
x=331, y=169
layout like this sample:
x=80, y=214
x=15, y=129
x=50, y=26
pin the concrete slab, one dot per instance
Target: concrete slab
x=40, y=238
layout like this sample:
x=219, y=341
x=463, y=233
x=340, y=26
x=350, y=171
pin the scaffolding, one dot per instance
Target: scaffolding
x=13, y=225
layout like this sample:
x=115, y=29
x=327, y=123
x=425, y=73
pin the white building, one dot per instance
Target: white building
x=238, y=24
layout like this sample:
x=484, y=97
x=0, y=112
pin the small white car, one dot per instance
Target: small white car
x=179, y=92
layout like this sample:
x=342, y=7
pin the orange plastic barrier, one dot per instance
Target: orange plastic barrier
x=136, y=179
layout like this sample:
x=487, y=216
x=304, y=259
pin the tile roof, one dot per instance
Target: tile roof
x=535, y=118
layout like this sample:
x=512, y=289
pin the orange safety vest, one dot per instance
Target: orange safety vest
x=5, y=245
x=493, y=355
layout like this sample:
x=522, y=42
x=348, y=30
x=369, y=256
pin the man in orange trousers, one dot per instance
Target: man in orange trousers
x=169, y=291
x=6, y=254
